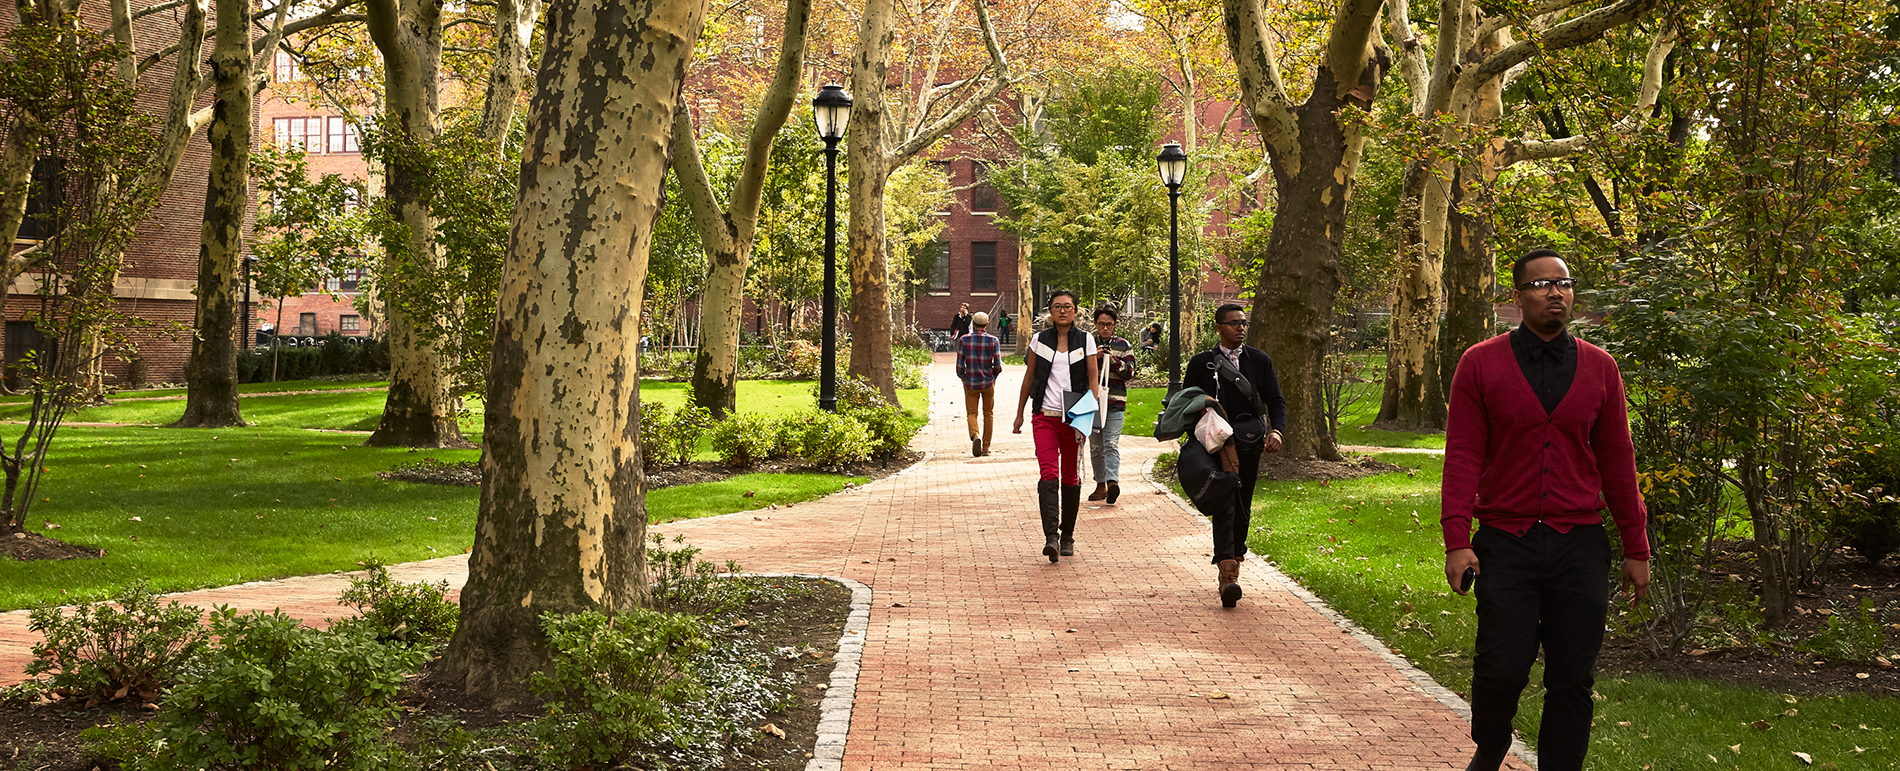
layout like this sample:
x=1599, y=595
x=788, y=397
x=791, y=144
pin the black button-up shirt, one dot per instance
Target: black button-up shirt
x=1550, y=367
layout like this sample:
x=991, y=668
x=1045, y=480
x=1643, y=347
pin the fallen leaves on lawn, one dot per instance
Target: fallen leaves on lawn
x=774, y=730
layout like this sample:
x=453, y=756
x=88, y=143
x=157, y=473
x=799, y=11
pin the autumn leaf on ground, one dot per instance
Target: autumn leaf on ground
x=1218, y=695
x=774, y=730
x=1762, y=725
x=1735, y=748
x=1805, y=758
x=51, y=526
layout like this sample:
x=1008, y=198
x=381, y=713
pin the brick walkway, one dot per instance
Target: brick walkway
x=982, y=654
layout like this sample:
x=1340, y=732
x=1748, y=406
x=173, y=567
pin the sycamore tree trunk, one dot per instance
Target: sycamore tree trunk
x=729, y=235
x=563, y=517
x=419, y=410
x=1300, y=276
x=876, y=144
x=514, y=33
x=1314, y=151
x=1413, y=398
x=211, y=396
x=1471, y=284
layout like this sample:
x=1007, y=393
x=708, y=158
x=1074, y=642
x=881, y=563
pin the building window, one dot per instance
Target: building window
x=983, y=195
x=342, y=136
x=306, y=323
x=48, y=194
x=349, y=322
x=287, y=69
x=939, y=261
x=350, y=281
x=983, y=266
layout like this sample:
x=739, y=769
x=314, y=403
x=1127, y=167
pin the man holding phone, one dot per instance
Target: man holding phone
x=1537, y=444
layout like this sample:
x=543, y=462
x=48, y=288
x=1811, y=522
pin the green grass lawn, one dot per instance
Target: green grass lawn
x=224, y=506
x=1371, y=548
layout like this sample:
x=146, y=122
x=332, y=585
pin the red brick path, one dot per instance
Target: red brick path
x=982, y=654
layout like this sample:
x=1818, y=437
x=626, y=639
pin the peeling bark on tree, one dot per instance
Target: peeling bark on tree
x=728, y=236
x=420, y=408
x=1471, y=283
x=563, y=516
x=871, y=161
x=211, y=374
x=1314, y=155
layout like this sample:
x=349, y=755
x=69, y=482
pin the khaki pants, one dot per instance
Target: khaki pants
x=987, y=399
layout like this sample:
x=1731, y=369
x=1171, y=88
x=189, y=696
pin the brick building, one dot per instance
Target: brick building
x=161, y=263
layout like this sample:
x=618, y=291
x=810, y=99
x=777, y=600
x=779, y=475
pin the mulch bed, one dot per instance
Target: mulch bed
x=30, y=546
x=807, y=626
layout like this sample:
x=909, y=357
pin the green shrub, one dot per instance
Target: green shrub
x=405, y=614
x=611, y=683
x=683, y=583
x=854, y=393
x=102, y=652
x=1857, y=634
x=740, y=690
x=334, y=356
x=743, y=440
x=669, y=436
x=832, y=439
x=890, y=429
x=274, y=694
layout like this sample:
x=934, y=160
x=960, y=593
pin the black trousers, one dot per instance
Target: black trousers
x=1230, y=528
x=1550, y=589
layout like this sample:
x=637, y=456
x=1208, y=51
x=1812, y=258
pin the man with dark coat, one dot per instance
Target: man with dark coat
x=1242, y=379
x=1537, y=445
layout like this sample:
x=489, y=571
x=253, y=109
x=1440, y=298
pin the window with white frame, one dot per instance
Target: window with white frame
x=342, y=136
x=286, y=68
x=349, y=322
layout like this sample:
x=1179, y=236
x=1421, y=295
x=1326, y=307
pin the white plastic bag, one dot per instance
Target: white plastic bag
x=1213, y=430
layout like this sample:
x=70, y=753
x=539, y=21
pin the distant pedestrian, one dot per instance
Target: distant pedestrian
x=1537, y=444
x=1004, y=328
x=960, y=324
x=1061, y=362
x=979, y=361
x=1115, y=366
x=1151, y=336
x=1242, y=379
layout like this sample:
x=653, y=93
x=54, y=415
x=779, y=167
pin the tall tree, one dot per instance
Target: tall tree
x=420, y=409
x=1313, y=148
x=1457, y=107
x=879, y=139
x=563, y=512
x=728, y=234
x=211, y=395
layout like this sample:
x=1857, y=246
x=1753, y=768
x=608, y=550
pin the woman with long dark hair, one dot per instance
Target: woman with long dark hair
x=1062, y=366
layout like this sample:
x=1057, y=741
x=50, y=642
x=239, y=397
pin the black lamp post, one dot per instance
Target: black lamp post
x=830, y=110
x=1173, y=163
x=244, y=336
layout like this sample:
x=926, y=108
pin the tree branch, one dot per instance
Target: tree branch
x=702, y=203
x=1410, y=51
x=773, y=111
x=1257, y=62
x=1647, y=94
x=1544, y=8
x=1578, y=31
x=999, y=77
x=1346, y=44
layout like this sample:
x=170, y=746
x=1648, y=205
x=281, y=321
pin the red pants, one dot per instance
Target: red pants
x=1056, y=446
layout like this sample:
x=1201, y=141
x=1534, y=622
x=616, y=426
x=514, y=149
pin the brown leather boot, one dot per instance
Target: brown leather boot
x=1101, y=491
x=1229, y=583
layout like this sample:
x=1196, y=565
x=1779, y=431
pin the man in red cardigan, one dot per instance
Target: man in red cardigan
x=1537, y=444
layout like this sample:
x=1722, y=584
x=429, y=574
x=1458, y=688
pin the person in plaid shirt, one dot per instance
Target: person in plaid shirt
x=979, y=361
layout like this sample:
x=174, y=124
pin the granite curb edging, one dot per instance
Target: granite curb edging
x=834, y=710
x=1378, y=648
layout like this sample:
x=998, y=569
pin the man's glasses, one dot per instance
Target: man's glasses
x=1236, y=323
x=1542, y=284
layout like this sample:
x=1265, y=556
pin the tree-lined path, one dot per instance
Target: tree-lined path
x=982, y=654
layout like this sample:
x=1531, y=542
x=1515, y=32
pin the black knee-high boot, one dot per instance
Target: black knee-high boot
x=1049, y=499
x=1071, y=506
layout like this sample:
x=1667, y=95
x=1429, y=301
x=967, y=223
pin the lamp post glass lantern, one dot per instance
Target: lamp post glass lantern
x=830, y=110
x=1172, y=164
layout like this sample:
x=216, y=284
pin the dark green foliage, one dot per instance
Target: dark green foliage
x=414, y=615
x=613, y=683
x=1853, y=634
x=831, y=438
x=1113, y=112
x=104, y=653
x=275, y=694
x=670, y=436
x=743, y=440
x=890, y=429
x=335, y=356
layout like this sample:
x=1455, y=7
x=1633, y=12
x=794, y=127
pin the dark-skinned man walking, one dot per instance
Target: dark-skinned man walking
x=1537, y=444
